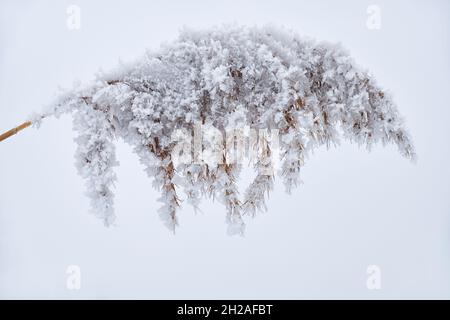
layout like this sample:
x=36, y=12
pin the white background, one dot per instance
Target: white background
x=354, y=209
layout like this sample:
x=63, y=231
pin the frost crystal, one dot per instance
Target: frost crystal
x=226, y=78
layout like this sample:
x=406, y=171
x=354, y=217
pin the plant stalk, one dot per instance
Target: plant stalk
x=13, y=131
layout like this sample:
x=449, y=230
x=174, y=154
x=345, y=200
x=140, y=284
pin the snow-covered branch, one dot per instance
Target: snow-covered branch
x=261, y=78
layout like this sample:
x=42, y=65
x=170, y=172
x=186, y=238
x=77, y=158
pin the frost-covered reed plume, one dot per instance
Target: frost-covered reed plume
x=233, y=77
